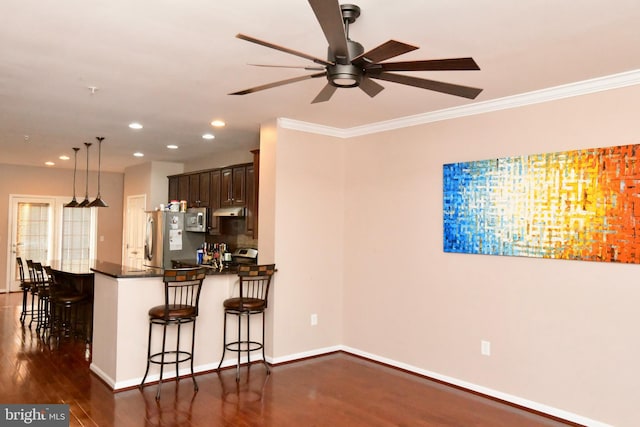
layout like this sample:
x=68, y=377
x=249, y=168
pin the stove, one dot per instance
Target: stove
x=244, y=256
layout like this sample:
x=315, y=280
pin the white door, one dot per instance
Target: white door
x=31, y=225
x=134, y=231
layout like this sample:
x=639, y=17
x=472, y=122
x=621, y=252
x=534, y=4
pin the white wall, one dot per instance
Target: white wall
x=564, y=334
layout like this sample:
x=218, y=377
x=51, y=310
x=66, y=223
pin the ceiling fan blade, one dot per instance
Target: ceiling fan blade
x=428, y=65
x=283, y=49
x=448, y=88
x=289, y=66
x=278, y=83
x=370, y=87
x=329, y=16
x=325, y=94
x=386, y=50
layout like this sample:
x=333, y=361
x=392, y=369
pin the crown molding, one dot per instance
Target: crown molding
x=585, y=87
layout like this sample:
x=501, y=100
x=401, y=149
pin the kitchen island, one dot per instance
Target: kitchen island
x=123, y=297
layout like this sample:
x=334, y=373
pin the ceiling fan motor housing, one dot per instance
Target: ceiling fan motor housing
x=344, y=73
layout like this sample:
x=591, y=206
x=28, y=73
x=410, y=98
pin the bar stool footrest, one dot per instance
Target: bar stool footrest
x=237, y=346
x=181, y=355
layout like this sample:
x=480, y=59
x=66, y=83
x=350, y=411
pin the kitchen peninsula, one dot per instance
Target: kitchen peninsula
x=121, y=324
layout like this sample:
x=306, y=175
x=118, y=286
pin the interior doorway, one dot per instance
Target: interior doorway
x=134, y=231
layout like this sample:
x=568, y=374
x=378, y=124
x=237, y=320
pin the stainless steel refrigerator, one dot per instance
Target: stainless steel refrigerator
x=167, y=240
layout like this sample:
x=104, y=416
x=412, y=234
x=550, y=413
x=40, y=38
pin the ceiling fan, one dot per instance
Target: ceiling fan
x=348, y=65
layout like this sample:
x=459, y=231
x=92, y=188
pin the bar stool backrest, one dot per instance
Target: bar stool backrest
x=255, y=281
x=41, y=277
x=182, y=288
x=23, y=280
x=32, y=271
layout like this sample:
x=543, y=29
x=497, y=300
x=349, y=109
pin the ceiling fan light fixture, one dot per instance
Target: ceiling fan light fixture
x=340, y=75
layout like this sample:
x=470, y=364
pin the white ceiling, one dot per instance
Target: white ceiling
x=170, y=64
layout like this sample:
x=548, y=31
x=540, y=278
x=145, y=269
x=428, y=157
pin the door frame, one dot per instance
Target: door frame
x=56, y=216
x=14, y=199
x=128, y=223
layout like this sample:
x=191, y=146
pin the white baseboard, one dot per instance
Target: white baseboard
x=529, y=404
x=305, y=354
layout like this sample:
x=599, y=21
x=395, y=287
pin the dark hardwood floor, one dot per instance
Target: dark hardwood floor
x=333, y=390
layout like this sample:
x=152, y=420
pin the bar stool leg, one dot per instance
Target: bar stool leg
x=148, y=358
x=25, y=298
x=164, y=340
x=193, y=346
x=264, y=358
x=224, y=340
x=178, y=351
x=239, y=347
x=33, y=299
x=248, y=340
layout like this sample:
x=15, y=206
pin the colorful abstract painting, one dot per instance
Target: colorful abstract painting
x=582, y=205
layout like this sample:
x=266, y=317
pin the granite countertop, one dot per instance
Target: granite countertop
x=120, y=271
x=124, y=271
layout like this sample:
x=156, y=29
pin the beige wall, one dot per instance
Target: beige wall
x=150, y=179
x=564, y=334
x=301, y=206
x=35, y=181
x=219, y=160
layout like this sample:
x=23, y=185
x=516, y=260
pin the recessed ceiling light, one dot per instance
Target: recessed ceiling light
x=208, y=136
x=138, y=154
x=135, y=125
x=172, y=147
x=63, y=157
x=49, y=163
x=218, y=123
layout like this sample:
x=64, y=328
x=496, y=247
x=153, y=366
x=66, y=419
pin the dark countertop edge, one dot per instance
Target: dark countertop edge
x=119, y=271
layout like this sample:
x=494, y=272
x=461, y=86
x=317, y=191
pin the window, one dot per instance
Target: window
x=77, y=236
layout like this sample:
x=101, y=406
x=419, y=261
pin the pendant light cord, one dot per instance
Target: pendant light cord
x=99, y=138
x=86, y=192
x=75, y=168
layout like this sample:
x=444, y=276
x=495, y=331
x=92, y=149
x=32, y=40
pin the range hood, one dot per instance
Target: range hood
x=236, y=211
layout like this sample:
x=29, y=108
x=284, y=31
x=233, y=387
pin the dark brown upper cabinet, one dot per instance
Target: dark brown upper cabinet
x=233, y=186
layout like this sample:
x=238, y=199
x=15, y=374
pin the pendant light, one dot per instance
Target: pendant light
x=74, y=203
x=98, y=202
x=85, y=202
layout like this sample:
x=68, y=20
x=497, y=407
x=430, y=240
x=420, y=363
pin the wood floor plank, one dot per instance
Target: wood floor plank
x=329, y=391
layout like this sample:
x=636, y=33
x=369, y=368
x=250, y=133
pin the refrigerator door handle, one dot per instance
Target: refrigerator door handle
x=148, y=244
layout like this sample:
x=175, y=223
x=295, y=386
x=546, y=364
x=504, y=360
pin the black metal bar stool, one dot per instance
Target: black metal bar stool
x=26, y=287
x=41, y=283
x=67, y=308
x=182, y=288
x=34, y=293
x=255, y=281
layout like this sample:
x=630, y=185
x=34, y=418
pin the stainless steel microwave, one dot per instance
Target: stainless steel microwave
x=195, y=220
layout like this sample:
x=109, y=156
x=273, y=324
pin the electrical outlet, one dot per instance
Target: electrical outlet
x=314, y=319
x=485, y=348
